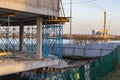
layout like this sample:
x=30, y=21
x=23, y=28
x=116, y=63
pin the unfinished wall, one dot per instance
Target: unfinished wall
x=44, y=7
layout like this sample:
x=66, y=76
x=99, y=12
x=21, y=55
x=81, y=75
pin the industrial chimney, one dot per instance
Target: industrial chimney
x=104, y=35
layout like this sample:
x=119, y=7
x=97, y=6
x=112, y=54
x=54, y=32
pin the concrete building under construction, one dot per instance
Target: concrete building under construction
x=31, y=45
x=39, y=24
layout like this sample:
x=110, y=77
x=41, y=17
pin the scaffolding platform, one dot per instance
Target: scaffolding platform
x=58, y=20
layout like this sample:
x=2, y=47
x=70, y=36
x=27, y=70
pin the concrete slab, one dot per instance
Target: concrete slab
x=42, y=7
x=9, y=66
x=23, y=61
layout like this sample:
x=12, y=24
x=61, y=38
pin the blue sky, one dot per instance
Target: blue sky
x=88, y=16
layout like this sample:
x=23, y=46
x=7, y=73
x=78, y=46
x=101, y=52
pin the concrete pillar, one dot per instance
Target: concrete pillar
x=39, y=38
x=21, y=36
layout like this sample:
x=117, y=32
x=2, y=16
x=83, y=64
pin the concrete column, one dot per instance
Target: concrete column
x=21, y=34
x=39, y=38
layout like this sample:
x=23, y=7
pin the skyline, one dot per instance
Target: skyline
x=88, y=16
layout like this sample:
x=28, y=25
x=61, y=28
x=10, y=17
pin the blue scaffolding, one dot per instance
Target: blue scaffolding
x=9, y=38
x=52, y=40
x=7, y=35
x=30, y=38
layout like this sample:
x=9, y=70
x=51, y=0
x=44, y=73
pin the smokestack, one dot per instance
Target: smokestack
x=104, y=23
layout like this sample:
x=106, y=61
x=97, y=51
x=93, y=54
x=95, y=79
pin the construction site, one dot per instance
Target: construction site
x=31, y=45
x=35, y=21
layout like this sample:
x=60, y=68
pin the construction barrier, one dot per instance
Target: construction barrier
x=101, y=67
x=72, y=74
x=95, y=70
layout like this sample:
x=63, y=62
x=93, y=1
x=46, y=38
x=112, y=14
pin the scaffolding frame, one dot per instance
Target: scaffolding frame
x=52, y=40
x=9, y=40
x=30, y=38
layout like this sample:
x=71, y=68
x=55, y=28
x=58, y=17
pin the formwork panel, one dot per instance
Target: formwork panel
x=43, y=7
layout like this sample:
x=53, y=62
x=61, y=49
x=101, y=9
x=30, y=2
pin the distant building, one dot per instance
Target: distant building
x=100, y=33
